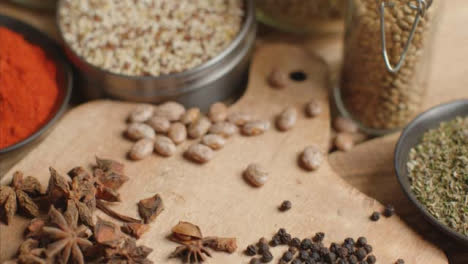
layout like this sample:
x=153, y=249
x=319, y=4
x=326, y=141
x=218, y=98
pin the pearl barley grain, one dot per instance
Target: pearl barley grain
x=256, y=175
x=286, y=119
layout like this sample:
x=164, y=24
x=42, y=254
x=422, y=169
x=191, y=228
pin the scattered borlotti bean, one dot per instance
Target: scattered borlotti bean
x=136, y=131
x=346, y=141
x=199, y=153
x=286, y=119
x=218, y=112
x=342, y=124
x=278, y=78
x=199, y=128
x=177, y=132
x=159, y=124
x=311, y=158
x=190, y=116
x=164, y=146
x=213, y=141
x=313, y=108
x=173, y=111
x=224, y=129
x=256, y=175
x=239, y=119
x=141, y=113
x=255, y=128
x=141, y=149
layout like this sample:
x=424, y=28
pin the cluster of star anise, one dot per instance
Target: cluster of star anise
x=69, y=234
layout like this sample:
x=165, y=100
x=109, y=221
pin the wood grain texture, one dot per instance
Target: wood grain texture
x=215, y=195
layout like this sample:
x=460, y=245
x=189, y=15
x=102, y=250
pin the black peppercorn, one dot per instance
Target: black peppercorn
x=400, y=261
x=296, y=261
x=295, y=242
x=371, y=259
x=287, y=256
x=349, y=247
x=275, y=241
x=330, y=257
x=306, y=243
x=341, y=261
x=251, y=250
x=352, y=259
x=319, y=237
x=361, y=253
x=281, y=231
x=316, y=247
x=304, y=254
x=262, y=246
x=285, y=239
x=266, y=257
x=389, y=210
x=334, y=247
x=254, y=261
x=349, y=241
x=285, y=206
x=368, y=248
x=293, y=250
x=342, y=252
x=375, y=216
x=362, y=241
x=315, y=256
x=364, y=262
x=323, y=251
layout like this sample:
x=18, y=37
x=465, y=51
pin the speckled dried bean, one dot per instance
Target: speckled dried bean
x=159, y=124
x=164, y=146
x=224, y=129
x=141, y=149
x=173, y=111
x=199, y=128
x=190, y=116
x=313, y=108
x=239, y=118
x=254, y=128
x=342, y=124
x=177, y=132
x=256, y=175
x=136, y=131
x=278, y=78
x=141, y=113
x=218, y=112
x=344, y=141
x=311, y=158
x=286, y=119
x=213, y=141
x=199, y=153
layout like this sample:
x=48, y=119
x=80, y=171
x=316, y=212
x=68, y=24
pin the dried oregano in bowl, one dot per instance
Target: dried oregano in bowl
x=438, y=173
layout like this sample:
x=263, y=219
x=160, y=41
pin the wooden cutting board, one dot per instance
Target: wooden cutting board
x=214, y=195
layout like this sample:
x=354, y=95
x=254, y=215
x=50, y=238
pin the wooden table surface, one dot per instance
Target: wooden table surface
x=376, y=177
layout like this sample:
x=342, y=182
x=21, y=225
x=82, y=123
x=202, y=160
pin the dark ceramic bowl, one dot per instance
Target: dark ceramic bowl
x=64, y=76
x=410, y=137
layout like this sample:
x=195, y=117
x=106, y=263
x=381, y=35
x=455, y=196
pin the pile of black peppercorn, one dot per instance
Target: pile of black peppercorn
x=312, y=250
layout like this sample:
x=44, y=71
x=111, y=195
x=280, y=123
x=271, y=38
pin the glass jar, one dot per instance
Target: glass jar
x=386, y=62
x=37, y=4
x=302, y=16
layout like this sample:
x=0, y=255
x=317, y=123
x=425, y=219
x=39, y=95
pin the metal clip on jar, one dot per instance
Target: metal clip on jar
x=386, y=62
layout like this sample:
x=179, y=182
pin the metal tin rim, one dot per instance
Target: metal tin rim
x=402, y=177
x=66, y=90
x=249, y=20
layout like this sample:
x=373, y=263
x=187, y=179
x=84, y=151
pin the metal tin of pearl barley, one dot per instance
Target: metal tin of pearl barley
x=217, y=79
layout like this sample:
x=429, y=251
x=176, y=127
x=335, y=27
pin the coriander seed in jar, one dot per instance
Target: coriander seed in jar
x=302, y=16
x=386, y=61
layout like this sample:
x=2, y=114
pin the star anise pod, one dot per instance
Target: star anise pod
x=30, y=253
x=80, y=191
x=69, y=238
x=128, y=253
x=109, y=177
x=20, y=195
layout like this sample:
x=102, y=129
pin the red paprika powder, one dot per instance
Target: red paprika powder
x=28, y=88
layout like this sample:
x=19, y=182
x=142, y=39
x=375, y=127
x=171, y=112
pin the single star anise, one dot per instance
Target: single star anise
x=80, y=191
x=20, y=195
x=69, y=238
x=194, y=245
